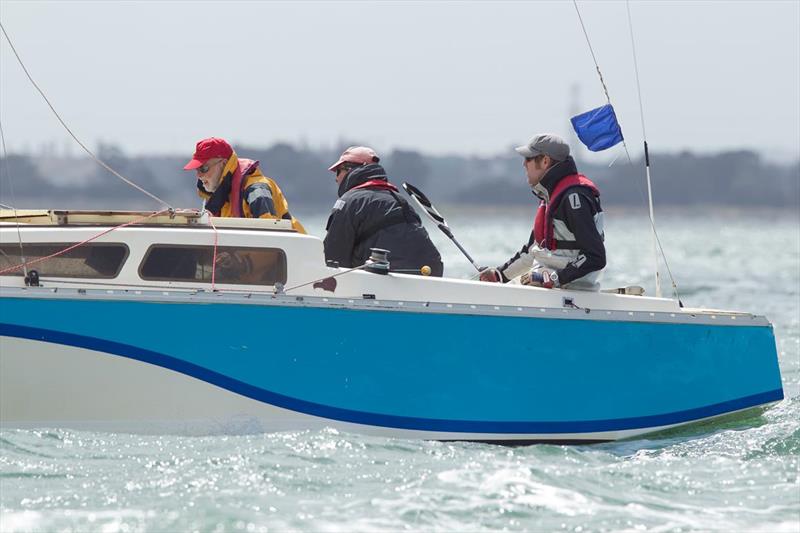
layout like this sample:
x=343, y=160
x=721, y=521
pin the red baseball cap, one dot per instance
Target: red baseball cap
x=209, y=149
x=363, y=155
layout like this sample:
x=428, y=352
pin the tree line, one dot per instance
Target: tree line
x=735, y=178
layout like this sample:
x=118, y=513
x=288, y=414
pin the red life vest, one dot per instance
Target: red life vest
x=378, y=184
x=246, y=166
x=543, y=224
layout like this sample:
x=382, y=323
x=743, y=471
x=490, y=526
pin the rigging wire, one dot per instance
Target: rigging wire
x=320, y=279
x=13, y=200
x=656, y=239
x=74, y=137
x=597, y=67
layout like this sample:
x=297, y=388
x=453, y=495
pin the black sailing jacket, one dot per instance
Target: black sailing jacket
x=377, y=217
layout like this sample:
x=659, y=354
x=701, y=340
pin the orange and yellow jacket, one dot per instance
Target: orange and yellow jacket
x=245, y=192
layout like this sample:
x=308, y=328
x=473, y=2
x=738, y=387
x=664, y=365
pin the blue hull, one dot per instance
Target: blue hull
x=427, y=371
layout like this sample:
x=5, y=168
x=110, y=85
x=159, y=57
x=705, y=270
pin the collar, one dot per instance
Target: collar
x=360, y=175
x=554, y=174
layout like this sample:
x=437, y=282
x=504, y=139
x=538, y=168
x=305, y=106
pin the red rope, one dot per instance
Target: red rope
x=213, y=259
x=90, y=239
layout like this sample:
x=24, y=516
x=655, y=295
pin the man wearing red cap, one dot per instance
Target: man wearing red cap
x=371, y=214
x=234, y=187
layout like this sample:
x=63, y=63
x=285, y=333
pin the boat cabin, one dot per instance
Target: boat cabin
x=175, y=250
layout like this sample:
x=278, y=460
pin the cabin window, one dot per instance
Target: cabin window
x=92, y=260
x=235, y=265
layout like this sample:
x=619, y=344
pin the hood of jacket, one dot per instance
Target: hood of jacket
x=360, y=175
x=554, y=174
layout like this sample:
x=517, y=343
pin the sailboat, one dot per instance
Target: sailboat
x=173, y=321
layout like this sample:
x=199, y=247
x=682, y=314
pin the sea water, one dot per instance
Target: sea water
x=735, y=475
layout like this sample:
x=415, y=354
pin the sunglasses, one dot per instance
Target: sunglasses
x=205, y=168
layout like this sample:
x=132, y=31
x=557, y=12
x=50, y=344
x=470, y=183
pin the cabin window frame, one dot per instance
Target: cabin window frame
x=58, y=246
x=282, y=256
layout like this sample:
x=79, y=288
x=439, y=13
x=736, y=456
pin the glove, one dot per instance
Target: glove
x=542, y=279
x=490, y=274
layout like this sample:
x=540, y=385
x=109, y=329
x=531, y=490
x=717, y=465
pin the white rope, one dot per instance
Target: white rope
x=13, y=201
x=101, y=163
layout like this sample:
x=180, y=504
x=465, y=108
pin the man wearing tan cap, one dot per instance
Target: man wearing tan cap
x=370, y=213
x=566, y=247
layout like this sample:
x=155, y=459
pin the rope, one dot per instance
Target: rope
x=90, y=239
x=647, y=156
x=599, y=74
x=591, y=50
x=214, y=258
x=91, y=154
x=624, y=144
x=636, y=69
x=322, y=279
x=13, y=199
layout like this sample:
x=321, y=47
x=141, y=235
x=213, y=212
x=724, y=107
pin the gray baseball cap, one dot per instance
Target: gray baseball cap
x=545, y=144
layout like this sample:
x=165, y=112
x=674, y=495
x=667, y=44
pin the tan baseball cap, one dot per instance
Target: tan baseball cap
x=545, y=144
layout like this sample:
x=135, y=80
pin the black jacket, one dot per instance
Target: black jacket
x=580, y=220
x=377, y=217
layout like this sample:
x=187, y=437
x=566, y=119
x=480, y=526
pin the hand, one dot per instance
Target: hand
x=542, y=279
x=231, y=265
x=490, y=274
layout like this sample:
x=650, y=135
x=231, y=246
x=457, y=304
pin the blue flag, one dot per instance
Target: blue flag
x=598, y=129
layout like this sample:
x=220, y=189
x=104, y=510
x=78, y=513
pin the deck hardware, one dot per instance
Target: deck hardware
x=378, y=262
x=567, y=301
x=32, y=279
x=81, y=291
x=298, y=298
x=279, y=288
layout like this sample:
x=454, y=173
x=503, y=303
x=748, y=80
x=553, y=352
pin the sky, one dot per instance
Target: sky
x=439, y=77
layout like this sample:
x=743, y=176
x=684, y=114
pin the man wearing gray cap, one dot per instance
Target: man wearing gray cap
x=566, y=247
